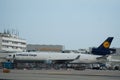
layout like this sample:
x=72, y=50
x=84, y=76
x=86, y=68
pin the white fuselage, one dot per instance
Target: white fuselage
x=39, y=56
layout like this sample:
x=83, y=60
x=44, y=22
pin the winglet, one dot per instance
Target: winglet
x=77, y=57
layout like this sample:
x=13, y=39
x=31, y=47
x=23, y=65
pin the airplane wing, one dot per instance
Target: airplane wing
x=102, y=58
x=114, y=60
x=65, y=61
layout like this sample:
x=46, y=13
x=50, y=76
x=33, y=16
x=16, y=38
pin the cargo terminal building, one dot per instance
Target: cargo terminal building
x=44, y=48
x=11, y=43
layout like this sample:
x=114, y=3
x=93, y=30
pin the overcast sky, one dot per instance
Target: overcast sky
x=72, y=23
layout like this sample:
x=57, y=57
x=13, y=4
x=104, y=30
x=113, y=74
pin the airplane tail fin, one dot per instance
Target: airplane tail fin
x=106, y=44
x=104, y=49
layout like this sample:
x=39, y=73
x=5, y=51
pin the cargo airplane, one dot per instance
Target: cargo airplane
x=65, y=57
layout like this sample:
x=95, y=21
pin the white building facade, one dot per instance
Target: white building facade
x=11, y=43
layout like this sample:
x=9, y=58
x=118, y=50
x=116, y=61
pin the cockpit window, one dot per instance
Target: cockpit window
x=13, y=56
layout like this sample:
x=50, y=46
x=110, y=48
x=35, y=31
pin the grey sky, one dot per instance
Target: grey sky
x=72, y=23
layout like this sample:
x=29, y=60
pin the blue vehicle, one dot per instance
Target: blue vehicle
x=8, y=65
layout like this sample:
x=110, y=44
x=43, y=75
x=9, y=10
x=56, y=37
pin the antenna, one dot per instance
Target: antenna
x=8, y=32
x=5, y=31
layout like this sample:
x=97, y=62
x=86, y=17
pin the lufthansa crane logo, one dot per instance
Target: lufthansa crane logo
x=106, y=44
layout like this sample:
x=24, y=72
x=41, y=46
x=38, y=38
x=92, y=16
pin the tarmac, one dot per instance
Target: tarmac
x=60, y=75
